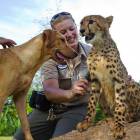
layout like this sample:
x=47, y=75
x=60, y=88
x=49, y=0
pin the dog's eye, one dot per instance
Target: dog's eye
x=91, y=21
x=62, y=39
x=81, y=22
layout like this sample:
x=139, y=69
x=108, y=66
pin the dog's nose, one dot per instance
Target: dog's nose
x=82, y=31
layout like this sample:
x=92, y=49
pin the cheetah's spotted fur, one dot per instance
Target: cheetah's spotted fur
x=118, y=96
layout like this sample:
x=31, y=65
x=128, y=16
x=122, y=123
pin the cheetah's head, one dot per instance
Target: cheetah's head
x=94, y=27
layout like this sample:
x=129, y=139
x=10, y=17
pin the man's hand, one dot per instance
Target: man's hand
x=79, y=89
x=7, y=42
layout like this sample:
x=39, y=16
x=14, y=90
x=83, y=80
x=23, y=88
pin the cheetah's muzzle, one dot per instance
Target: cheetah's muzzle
x=89, y=36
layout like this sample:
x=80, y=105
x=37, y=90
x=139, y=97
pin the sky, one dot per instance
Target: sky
x=22, y=20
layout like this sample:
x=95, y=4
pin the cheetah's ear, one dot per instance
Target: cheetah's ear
x=109, y=20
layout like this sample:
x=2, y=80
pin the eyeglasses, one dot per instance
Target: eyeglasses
x=57, y=16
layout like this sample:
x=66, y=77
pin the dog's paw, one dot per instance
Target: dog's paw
x=29, y=137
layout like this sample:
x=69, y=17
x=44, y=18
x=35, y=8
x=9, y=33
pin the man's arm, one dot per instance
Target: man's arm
x=57, y=95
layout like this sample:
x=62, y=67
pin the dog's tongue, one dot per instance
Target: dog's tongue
x=59, y=55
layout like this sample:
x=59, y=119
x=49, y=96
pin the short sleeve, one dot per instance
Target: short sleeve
x=49, y=70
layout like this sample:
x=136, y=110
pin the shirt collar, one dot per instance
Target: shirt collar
x=82, y=52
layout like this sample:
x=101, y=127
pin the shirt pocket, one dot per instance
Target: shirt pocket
x=65, y=83
x=64, y=78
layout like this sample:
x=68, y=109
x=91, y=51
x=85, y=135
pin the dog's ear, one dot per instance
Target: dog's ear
x=48, y=36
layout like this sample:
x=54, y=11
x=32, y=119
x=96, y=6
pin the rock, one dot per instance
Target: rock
x=102, y=131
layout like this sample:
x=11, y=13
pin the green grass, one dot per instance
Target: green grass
x=5, y=138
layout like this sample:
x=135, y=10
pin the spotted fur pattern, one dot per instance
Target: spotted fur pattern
x=118, y=96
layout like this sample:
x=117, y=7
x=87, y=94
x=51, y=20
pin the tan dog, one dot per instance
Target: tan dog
x=18, y=66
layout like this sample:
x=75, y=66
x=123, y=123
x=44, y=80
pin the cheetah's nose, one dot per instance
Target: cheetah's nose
x=82, y=31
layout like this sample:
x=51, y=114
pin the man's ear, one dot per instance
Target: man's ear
x=109, y=20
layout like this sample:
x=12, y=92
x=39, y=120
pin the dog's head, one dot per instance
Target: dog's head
x=57, y=47
x=94, y=26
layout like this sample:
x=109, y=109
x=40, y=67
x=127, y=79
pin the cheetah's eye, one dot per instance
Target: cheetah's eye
x=91, y=21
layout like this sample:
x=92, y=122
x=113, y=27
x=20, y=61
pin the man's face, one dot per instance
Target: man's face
x=68, y=28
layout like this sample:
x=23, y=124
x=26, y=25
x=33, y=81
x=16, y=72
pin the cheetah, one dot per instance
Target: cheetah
x=118, y=96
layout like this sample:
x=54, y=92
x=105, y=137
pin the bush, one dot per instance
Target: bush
x=9, y=120
x=99, y=114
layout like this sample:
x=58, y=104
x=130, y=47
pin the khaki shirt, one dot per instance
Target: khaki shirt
x=67, y=74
